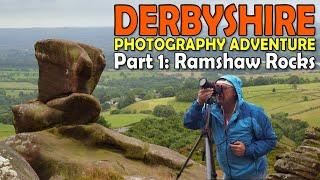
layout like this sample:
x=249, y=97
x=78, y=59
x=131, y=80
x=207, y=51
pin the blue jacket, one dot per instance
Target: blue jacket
x=248, y=124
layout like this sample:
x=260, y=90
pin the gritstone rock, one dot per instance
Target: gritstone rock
x=67, y=67
x=92, y=150
x=76, y=108
x=303, y=162
x=13, y=166
x=68, y=74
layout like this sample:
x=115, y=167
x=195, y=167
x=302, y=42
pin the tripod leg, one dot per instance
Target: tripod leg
x=208, y=159
x=189, y=156
x=213, y=170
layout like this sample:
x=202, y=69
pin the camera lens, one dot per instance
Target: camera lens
x=203, y=82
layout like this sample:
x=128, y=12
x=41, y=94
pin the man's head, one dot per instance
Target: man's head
x=228, y=95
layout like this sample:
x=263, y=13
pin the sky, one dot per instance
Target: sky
x=89, y=13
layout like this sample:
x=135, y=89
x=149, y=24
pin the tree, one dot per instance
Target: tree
x=140, y=92
x=102, y=121
x=105, y=106
x=2, y=92
x=126, y=101
x=164, y=111
x=260, y=81
x=293, y=79
x=186, y=95
x=149, y=95
x=167, y=92
x=294, y=86
x=292, y=128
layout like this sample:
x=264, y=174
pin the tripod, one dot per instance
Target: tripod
x=206, y=133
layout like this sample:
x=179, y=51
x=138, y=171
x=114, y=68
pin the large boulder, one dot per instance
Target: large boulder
x=13, y=166
x=76, y=108
x=95, y=152
x=67, y=67
x=95, y=134
x=303, y=162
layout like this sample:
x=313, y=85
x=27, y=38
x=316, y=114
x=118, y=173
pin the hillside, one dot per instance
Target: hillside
x=301, y=101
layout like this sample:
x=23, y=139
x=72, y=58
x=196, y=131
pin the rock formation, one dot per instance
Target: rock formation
x=68, y=74
x=67, y=67
x=68, y=151
x=13, y=166
x=303, y=162
x=58, y=136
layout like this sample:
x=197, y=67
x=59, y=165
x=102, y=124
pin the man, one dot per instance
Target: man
x=241, y=131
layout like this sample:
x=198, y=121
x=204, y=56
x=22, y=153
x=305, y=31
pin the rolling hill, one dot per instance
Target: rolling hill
x=301, y=101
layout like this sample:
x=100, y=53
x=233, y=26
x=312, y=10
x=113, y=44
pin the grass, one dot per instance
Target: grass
x=6, y=130
x=120, y=120
x=187, y=74
x=73, y=159
x=18, y=86
x=302, y=73
x=150, y=104
x=15, y=93
x=110, y=74
x=312, y=117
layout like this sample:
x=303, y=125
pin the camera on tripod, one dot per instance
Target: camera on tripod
x=206, y=132
x=204, y=84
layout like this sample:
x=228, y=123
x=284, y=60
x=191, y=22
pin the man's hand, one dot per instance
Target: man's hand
x=204, y=94
x=238, y=148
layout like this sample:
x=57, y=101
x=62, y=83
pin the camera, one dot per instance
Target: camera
x=204, y=84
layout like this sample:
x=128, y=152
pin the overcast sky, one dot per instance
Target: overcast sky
x=88, y=13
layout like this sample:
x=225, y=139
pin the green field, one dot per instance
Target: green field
x=18, y=86
x=300, y=102
x=6, y=130
x=301, y=74
x=120, y=120
x=285, y=99
x=110, y=74
x=150, y=104
x=116, y=120
x=15, y=93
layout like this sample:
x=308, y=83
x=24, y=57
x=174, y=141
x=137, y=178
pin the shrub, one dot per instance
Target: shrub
x=164, y=111
x=146, y=112
x=126, y=101
x=102, y=121
x=125, y=111
x=167, y=91
x=294, y=129
x=105, y=106
x=116, y=111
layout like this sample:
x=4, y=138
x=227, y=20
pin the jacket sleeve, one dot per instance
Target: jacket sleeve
x=265, y=136
x=193, y=118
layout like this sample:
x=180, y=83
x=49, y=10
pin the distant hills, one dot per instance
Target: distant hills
x=16, y=45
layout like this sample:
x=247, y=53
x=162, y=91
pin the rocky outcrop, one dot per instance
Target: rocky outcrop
x=67, y=67
x=68, y=151
x=76, y=108
x=95, y=134
x=57, y=135
x=303, y=162
x=13, y=166
x=68, y=74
